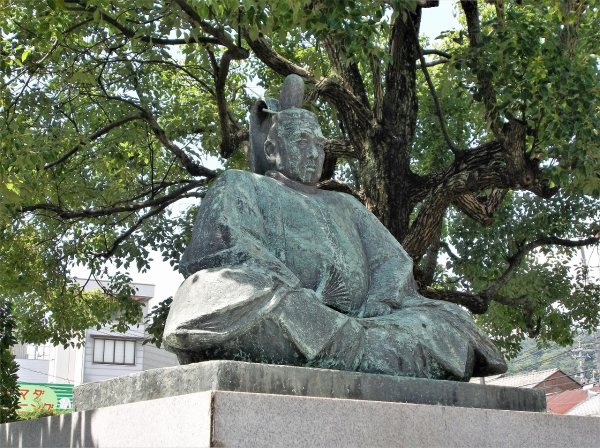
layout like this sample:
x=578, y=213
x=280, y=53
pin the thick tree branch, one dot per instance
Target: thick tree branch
x=345, y=100
x=481, y=210
x=227, y=146
x=349, y=72
x=473, y=302
x=340, y=148
x=436, y=52
x=448, y=251
x=191, y=167
x=568, y=34
x=342, y=187
x=432, y=63
x=489, y=155
x=400, y=104
x=96, y=135
x=479, y=304
x=499, y=4
x=486, y=88
x=425, y=226
x=377, y=88
x=430, y=262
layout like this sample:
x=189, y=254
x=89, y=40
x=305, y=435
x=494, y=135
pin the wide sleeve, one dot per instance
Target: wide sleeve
x=232, y=279
x=391, y=281
x=236, y=284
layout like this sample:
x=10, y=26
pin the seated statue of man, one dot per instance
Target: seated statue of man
x=281, y=272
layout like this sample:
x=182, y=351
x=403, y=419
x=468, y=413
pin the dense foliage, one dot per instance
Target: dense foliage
x=9, y=390
x=479, y=154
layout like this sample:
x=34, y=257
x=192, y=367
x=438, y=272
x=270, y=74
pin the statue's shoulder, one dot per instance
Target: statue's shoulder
x=239, y=176
x=347, y=199
x=237, y=179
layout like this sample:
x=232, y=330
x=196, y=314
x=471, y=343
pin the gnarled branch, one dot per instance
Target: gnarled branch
x=336, y=147
x=347, y=70
x=342, y=187
x=480, y=209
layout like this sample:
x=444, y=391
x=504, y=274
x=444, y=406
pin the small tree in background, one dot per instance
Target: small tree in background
x=9, y=390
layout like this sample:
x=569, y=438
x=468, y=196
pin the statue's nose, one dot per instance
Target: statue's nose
x=313, y=152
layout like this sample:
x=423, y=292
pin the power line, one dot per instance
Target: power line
x=42, y=373
x=562, y=352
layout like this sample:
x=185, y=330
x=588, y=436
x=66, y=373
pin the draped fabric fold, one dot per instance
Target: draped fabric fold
x=302, y=276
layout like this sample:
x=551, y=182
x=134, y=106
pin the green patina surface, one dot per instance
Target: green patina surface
x=281, y=272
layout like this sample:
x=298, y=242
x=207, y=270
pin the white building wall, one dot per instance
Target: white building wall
x=76, y=365
x=64, y=366
x=156, y=358
x=97, y=371
x=32, y=370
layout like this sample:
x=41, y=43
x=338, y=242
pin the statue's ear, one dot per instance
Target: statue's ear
x=261, y=119
x=270, y=152
x=292, y=92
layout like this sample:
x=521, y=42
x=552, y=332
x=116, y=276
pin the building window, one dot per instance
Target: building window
x=114, y=351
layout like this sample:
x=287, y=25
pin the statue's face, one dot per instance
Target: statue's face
x=297, y=151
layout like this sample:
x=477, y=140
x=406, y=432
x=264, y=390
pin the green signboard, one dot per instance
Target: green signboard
x=49, y=396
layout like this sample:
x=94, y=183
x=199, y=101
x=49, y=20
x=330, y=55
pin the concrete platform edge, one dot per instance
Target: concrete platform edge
x=231, y=419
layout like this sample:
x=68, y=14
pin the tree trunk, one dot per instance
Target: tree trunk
x=386, y=177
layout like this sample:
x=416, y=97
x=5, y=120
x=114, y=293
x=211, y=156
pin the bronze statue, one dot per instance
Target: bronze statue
x=279, y=271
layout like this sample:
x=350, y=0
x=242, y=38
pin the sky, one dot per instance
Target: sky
x=162, y=275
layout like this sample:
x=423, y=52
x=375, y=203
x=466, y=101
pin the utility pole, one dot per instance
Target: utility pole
x=598, y=355
x=579, y=356
x=581, y=353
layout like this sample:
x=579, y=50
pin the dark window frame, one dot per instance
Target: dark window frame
x=125, y=340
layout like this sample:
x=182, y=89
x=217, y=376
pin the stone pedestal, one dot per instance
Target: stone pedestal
x=231, y=404
x=300, y=381
x=236, y=419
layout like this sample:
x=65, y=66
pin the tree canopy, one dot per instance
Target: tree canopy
x=478, y=152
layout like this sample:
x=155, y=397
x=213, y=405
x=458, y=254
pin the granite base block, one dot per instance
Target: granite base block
x=300, y=381
x=234, y=419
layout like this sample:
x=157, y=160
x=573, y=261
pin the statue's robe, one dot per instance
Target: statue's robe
x=278, y=272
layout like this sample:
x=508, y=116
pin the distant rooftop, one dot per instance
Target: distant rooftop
x=564, y=401
x=555, y=378
x=590, y=407
x=529, y=380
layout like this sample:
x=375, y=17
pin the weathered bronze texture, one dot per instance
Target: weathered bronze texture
x=281, y=272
